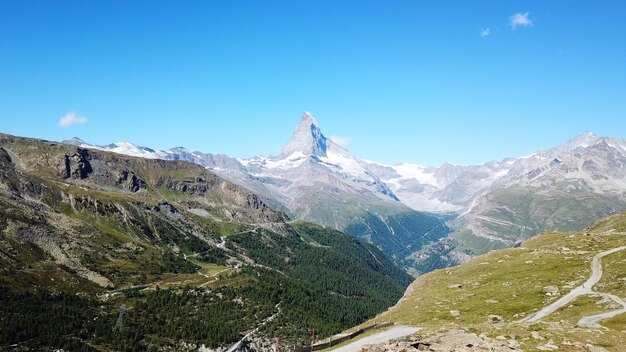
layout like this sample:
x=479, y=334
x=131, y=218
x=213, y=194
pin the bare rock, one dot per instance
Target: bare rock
x=548, y=346
x=551, y=290
x=494, y=319
x=592, y=348
x=131, y=181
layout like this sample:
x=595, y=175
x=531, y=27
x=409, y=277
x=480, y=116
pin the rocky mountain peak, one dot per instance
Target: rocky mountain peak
x=308, y=119
x=583, y=140
x=74, y=141
x=307, y=139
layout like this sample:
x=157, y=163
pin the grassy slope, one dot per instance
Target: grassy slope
x=510, y=283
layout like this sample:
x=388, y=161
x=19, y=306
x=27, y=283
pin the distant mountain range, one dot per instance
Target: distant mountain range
x=407, y=209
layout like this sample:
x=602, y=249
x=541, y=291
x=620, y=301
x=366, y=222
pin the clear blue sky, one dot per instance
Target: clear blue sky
x=413, y=81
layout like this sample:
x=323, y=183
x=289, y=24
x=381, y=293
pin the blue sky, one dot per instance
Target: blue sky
x=414, y=81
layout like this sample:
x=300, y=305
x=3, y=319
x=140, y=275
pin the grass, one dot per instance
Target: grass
x=580, y=307
x=617, y=323
x=510, y=283
x=469, y=243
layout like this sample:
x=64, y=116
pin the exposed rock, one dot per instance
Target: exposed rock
x=455, y=286
x=165, y=207
x=495, y=319
x=453, y=340
x=455, y=313
x=83, y=168
x=592, y=348
x=548, y=346
x=67, y=170
x=131, y=181
x=551, y=290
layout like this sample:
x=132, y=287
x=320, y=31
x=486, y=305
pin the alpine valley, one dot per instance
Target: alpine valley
x=122, y=247
x=102, y=251
x=422, y=217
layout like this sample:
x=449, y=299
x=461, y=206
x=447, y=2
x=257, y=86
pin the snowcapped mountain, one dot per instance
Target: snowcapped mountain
x=501, y=203
x=448, y=188
x=317, y=180
x=453, y=188
x=492, y=205
x=309, y=154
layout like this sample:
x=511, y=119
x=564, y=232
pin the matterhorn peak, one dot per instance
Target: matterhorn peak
x=307, y=139
x=308, y=119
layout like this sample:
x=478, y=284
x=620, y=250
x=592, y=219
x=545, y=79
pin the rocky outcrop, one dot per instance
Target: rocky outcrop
x=81, y=158
x=166, y=207
x=131, y=181
x=5, y=158
x=453, y=340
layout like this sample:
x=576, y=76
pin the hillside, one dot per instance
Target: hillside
x=101, y=251
x=422, y=217
x=498, y=293
x=317, y=180
x=501, y=203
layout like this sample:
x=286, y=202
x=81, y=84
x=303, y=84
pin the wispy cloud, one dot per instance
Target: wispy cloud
x=70, y=119
x=485, y=32
x=342, y=141
x=520, y=20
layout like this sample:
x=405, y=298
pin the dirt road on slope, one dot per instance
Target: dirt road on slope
x=584, y=289
x=381, y=337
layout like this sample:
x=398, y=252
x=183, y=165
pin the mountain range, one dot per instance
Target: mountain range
x=107, y=252
x=426, y=217
x=123, y=247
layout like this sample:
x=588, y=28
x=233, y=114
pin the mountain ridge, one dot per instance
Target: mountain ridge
x=316, y=179
x=188, y=258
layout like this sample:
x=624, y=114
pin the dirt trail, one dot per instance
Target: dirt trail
x=584, y=289
x=381, y=337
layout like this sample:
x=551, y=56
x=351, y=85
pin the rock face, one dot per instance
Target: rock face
x=131, y=181
x=76, y=165
x=307, y=139
x=83, y=167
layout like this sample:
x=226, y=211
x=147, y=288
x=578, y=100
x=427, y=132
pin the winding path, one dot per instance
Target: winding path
x=594, y=320
x=584, y=289
x=384, y=336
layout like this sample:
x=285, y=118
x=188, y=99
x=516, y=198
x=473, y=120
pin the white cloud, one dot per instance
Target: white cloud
x=485, y=32
x=71, y=119
x=520, y=20
x=342, y=141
